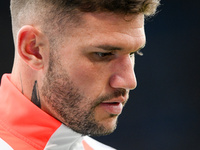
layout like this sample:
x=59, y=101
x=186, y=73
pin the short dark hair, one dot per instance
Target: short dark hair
x=148, y=7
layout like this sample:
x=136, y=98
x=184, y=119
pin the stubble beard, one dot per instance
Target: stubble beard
x=70, y=106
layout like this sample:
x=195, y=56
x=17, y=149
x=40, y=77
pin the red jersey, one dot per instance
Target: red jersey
x=24, y=126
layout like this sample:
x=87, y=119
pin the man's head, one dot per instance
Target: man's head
x=75, y=59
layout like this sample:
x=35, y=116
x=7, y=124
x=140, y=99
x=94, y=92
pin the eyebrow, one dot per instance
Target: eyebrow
x=109, y=47
x=114, y=48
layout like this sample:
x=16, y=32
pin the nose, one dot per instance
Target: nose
x=123, y=74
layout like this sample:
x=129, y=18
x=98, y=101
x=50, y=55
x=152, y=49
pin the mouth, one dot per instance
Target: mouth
x=114, y=108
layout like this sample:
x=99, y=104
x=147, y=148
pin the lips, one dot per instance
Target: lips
x=112, y=107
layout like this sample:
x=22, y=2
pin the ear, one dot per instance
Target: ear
x=30, y=43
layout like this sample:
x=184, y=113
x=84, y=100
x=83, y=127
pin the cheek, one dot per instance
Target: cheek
x=84, y=75
x=89, y=78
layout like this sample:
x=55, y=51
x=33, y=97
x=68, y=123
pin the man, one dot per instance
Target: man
x=72, y=72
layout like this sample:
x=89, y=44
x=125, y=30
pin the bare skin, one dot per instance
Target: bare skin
x=85, y=82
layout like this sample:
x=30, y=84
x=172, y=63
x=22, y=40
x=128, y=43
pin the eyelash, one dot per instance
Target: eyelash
x=139, y=53
x=108, y=55
x=100, y=54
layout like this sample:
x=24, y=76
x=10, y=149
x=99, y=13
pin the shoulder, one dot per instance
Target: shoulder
x=96, y=145
x=4, y=145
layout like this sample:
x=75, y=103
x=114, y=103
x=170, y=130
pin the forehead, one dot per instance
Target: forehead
x=112, y=18
x=109, y=29
x=112, y=21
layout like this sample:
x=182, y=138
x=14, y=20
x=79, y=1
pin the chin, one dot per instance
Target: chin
x=103, y=132
x=107, y=126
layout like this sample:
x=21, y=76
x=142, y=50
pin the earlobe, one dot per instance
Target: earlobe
x=29, y=47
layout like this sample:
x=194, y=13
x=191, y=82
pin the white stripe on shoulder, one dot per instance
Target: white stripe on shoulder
x=4, y=145
x=65, y=139
x=97, y=145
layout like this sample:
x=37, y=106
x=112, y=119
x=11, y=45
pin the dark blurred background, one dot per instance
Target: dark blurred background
x=163, y=112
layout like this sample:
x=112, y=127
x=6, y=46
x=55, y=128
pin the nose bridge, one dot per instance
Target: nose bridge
x=124, y=76
x=127, y=63
x=127, y=69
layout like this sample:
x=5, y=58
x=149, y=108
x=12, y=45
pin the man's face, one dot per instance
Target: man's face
x=91, y=72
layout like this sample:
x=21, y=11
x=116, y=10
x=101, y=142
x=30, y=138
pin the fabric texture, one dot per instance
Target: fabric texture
x=23, y=126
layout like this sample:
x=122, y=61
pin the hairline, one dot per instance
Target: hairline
x=59, y=19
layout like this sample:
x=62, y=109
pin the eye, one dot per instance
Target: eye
x=103, y=55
